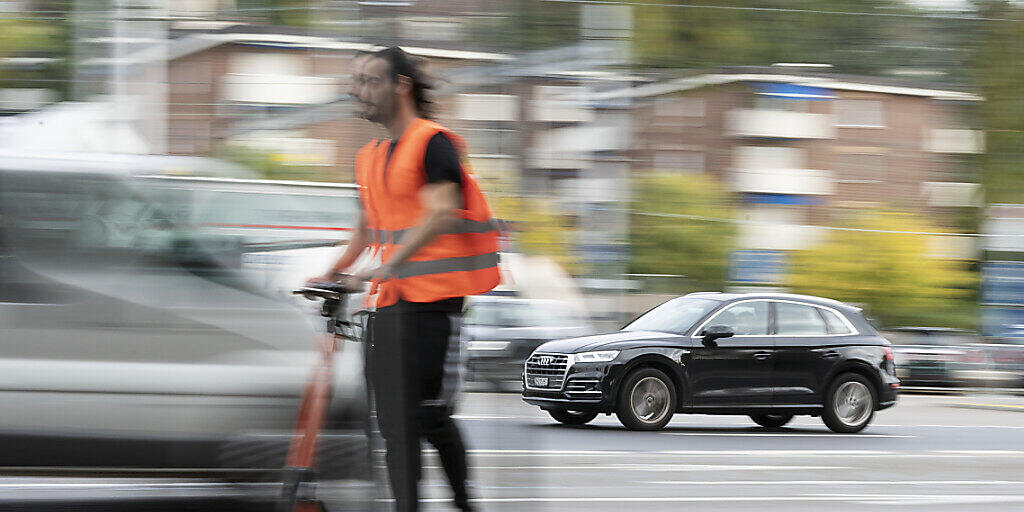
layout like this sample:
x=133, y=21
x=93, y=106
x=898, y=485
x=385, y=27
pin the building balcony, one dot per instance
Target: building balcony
x=952, y=194
x=778, y=237
x=955, y=141
x=779, y=124
x=784, y=181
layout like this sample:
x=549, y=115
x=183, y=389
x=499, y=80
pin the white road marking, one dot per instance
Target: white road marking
x=482, y=418
x=923, y=499
x=836, y=482
x=781, y=434
x=741, y=453
x=947, y=426
x=656, y=467
x=862, y=498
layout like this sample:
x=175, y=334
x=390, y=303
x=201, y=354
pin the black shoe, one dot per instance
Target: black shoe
x=464, y=505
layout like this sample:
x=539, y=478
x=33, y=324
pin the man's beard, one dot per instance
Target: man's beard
x=376, y=115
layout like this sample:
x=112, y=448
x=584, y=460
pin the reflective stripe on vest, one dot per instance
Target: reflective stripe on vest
x=443, y=265
x=462, y=226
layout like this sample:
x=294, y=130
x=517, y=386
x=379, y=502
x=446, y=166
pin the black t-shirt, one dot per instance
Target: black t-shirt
x=441, y=163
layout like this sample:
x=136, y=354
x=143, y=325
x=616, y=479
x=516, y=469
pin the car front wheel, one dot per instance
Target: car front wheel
x=849, y=404
x=647, y=400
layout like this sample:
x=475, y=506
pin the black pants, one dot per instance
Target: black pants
x=414, y=373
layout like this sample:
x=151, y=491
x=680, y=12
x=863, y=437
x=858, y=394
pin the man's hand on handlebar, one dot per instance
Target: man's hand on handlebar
x=347, y=281
x=381, y=273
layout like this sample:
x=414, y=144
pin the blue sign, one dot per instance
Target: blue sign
x=1002, y=298
x=794, y=92
x=1002, y=322
x=605, y=254
x=757, y=267
x=1002, y=283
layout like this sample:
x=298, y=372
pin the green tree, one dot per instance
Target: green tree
x=536, y=228
x=891, y=273
x=695, y=248
x=299, y=13
x=847, y=34
x=997, y=54
x=37, y=35
x=528, y=25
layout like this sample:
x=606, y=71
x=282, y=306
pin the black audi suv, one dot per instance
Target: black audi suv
x=768, y=356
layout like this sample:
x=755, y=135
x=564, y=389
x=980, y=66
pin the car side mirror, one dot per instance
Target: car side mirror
x=716, y=332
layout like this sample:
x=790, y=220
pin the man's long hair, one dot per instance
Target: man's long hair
x=402, y=64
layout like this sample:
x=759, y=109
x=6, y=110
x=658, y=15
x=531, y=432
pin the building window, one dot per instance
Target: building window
x=490, y=141
x=859, y=113
x=686, y=161
x=191, y=78
x=861, y=167
x=679, y=111
x=765, y=102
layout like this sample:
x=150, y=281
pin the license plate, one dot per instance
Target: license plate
x=540, y=381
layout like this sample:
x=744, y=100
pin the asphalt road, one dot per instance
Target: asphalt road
x=932, y=453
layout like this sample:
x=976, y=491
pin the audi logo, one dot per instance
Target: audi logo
x=545, y=360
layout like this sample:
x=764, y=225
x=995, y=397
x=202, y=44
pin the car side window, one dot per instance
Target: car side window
x=798, y=320
x=745, y=318
x=835, y=324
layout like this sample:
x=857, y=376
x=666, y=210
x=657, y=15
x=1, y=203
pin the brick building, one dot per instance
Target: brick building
x=280, y=93
x=801, y=148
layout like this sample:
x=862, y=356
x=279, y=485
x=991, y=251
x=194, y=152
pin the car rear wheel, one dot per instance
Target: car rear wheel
x=849, y=404
x=771, y=420
x=647, y=400
x=572, y=417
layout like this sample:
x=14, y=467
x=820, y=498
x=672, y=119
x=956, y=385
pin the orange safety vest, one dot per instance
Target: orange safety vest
x=460, y=262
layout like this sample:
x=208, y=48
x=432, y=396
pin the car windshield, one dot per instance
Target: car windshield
x=675, y=316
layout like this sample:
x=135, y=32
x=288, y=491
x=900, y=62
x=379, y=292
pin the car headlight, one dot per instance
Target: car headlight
x=487, y=345
x=602, y=356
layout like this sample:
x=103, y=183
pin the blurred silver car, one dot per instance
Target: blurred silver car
x=1006, y=355
x=130, y=337
x=500, y=332
x=939, y=357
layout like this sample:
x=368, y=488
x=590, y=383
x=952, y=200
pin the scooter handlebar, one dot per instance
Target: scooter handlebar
x=332, y=291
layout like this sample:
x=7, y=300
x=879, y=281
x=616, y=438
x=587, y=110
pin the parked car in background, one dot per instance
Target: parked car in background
x=1006, y=357
x=501, y=331
x=940, y=357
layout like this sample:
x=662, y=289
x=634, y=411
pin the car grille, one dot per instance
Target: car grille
x=583, y=388
x=546, y=366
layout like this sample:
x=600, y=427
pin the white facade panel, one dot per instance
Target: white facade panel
x=560, y=104
x=278, y=79
x=487, y=107
x=955, y=141
x=778, y=170
x=779, y=237
x=779, y=124
x=952, y=194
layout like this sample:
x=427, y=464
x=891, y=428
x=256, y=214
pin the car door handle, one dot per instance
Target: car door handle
x=761, y=356
x=830, y=355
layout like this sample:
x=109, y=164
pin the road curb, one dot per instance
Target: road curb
x=959, y=391
x=989, y=407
